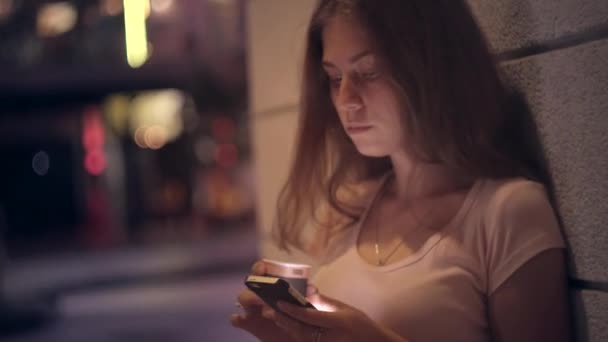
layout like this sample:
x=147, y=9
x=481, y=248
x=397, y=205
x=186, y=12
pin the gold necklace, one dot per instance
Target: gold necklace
x=382, y=261
x=379, y=260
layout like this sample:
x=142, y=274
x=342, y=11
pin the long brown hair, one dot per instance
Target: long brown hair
x=459, y=113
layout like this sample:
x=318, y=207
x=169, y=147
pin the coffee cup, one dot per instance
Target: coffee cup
x=295, y=274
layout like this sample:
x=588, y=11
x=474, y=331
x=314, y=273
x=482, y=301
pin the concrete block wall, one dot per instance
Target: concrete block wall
x=555, y=51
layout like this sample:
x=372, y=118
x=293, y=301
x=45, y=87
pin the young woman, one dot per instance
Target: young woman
x=429, y=202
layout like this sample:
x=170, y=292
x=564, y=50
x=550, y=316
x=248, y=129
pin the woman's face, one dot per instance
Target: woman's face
x=361, y=90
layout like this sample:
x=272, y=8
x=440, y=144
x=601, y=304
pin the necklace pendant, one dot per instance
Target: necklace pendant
x=377, y=248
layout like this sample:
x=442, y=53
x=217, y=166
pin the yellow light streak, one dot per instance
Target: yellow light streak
x=135, y=31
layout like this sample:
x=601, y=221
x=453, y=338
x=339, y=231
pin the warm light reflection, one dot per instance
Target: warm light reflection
x=111, y=7
x=155, y=137
x=147, y=8
x=6, y=9
x=156, y=117
x=322, y=306
x=135, y=31
x=140, y=137
x=161, y=6
x=226, y=155
x=55, y=19
x=117, y=109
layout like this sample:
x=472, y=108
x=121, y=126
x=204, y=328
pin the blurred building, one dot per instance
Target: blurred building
x=122, y=122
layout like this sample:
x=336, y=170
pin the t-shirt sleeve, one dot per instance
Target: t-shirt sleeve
x=521, y=224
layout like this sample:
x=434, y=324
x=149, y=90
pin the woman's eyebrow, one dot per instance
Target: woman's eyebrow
x=351, y=60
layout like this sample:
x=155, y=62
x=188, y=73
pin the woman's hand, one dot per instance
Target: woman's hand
x=252, y=320
x=335, y=321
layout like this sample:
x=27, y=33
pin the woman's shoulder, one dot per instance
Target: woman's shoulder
x=515, y=207
x=518, y=222
x=513, y=196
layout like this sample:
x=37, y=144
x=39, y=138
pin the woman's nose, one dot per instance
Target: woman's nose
x=348, y=99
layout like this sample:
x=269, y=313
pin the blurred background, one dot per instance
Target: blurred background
x=127, y=206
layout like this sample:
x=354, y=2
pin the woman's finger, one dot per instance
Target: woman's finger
x=312, y=317
x=311, y=290
x=245, y=322
x=238, y=321
x=263, y=329
x=336, y=304
x=297, y=330
x=259, y=268
x=249, y=298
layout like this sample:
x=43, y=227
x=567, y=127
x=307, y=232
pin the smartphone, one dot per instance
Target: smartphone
x=273, y=290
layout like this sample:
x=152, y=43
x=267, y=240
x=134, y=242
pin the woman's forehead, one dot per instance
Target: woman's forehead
x=344, y=40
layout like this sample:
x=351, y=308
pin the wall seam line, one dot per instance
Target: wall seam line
x=590, y=35
x=581, y=284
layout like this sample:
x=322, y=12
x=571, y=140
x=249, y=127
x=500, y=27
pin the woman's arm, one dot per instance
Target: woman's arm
x=532, y=305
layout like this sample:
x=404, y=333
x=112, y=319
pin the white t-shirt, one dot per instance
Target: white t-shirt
x=440, y=292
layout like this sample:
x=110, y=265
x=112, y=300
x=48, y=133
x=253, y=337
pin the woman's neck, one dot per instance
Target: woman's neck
x=414, y=180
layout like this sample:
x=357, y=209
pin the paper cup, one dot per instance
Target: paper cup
x=294, y=274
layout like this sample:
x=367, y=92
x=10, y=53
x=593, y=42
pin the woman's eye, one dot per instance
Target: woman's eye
x=334, y=82
x=369, y=75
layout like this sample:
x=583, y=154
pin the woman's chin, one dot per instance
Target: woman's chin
x=371, y=151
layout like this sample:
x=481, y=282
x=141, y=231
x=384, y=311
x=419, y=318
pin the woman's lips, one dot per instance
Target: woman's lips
x=358, y=129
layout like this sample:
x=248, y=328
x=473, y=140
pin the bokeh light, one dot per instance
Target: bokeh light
x=136, y=37
x=41, y=163
x=55, y=19
x=139, y=137
x=223, y=129
x=204, y=149
x=156, y=117
x=111, y=7
x=155, y=137
x=161, y=6
x=95, y=162
x=6, y=9
x=226, y=155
